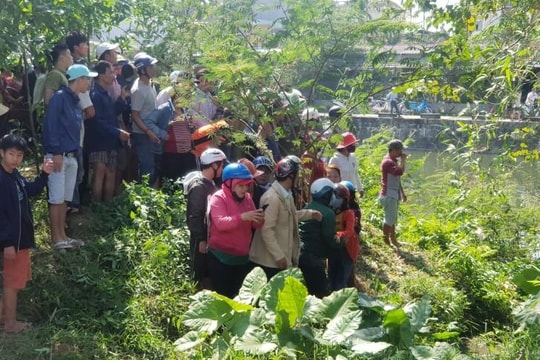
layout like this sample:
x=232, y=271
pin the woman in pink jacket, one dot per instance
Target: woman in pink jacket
x=232, y=217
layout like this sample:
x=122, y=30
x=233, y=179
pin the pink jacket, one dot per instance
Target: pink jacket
x=228, y=233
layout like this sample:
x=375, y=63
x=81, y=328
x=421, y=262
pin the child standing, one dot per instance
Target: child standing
x=16, y=226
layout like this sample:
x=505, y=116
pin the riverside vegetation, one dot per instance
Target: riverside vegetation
x=464, y=287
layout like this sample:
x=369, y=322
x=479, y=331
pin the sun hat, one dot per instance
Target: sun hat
x=348, y=139
x=76, y=71
x=103, y=47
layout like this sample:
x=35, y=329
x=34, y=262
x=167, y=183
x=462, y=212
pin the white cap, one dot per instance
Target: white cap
x=101, y=48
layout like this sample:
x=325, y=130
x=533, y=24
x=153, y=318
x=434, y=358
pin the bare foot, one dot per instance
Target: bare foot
x=16, y=327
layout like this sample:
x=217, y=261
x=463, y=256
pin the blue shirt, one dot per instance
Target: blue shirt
x=62, y=124
x=102, y=131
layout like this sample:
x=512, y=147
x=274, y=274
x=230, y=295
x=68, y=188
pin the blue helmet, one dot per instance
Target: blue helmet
x=236, y=171
x=349, y=185
x=263, y=161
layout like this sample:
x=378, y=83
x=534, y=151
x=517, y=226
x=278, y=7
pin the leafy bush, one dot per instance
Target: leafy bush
x=278, y=319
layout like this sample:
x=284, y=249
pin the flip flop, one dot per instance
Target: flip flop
x=19, y=328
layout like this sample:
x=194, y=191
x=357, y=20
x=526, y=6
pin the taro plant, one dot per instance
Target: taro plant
x=278, y=318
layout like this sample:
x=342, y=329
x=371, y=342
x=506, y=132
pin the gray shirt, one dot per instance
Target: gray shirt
x=143, y=100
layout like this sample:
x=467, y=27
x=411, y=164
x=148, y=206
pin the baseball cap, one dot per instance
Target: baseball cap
x=101, y=48
x=76, y=71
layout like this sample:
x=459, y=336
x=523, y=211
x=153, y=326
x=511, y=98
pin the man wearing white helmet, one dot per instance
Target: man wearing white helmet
x=319, y=238
x=198, y=187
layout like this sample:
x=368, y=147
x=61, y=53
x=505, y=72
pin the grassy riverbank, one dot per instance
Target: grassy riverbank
x=124, y=294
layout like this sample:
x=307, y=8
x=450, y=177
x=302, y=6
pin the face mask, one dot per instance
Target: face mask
x=335, y=202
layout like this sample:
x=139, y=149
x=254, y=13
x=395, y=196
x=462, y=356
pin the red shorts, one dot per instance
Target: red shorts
x=17, y=271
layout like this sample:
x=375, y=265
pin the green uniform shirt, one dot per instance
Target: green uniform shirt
x=318, y=237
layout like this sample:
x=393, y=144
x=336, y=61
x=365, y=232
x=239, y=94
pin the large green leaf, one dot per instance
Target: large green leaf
x=252, y=287
x=290, y=306
x=395, y=318
x=367, y=347
x=208, y=311
x=441, y=351
x=369, y=334
x=189, y=341
x=269, y=297
x=418, y=313
x=337, y=303
x=529, y=311
x=342, y=326
x=523, y=279
x=241, y=322
x=257, y=341
x=366, y=301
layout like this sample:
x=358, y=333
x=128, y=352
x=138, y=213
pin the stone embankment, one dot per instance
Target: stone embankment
x=435, y=132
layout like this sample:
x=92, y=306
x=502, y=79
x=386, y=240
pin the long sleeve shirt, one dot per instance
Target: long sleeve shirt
x=228, y=233
x=16, y=222
x=318, y=238
x=103, y=131
x=62, y=124
x=348, y=167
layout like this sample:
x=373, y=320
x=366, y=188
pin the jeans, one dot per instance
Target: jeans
x=340, y=267
x=158, y=121
x=145, y=155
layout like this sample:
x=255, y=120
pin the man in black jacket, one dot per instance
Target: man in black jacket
x=199, y=186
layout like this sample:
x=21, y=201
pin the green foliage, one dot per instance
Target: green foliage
x=285, y=321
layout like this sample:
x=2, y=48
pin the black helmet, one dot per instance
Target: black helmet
x=285, y=168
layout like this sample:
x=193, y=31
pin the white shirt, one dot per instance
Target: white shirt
x=348, y=167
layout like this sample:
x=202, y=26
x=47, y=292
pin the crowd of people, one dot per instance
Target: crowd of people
x=250, y=220
x=107, y=123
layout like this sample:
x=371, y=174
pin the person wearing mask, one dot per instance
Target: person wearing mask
x=318, y=239
x=232, y=217
x=199, y=186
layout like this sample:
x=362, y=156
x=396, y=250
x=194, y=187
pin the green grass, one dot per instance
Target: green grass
x=123, y=295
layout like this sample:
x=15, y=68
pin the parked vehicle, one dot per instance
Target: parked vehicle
x=416, y=107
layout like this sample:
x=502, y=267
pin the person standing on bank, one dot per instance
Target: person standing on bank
x=232, y=216
x=392, y=168
x=276, y=246
x=61, y=141
x=16, y=226
x=198, y=187
x=345, y=160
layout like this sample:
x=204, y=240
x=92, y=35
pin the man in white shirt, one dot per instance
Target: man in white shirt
x=345, y=159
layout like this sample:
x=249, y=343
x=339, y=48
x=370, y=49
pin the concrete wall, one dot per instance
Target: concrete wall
x=437, y=133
